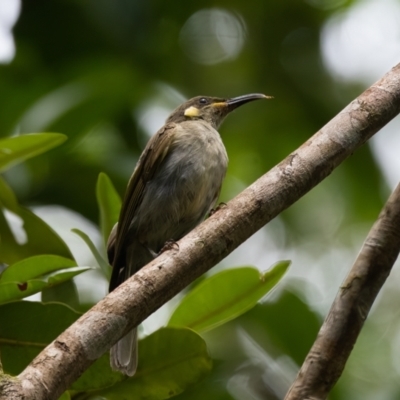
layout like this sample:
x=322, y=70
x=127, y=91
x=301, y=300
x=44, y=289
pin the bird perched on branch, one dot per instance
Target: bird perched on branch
x=175, y=184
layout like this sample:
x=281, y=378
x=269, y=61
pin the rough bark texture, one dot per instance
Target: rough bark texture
x=62, y=362
x=328, y=355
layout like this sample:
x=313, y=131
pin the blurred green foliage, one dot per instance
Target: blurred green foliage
x=105, y=74
x=83, y=69
x=225, y=296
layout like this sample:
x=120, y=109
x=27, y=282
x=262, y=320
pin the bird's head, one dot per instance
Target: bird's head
x=211, y=109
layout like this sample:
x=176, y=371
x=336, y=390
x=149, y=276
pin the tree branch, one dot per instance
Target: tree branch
x=326, y=360
x=64, y=360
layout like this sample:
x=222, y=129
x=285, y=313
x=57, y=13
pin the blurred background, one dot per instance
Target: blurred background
x=107, y=74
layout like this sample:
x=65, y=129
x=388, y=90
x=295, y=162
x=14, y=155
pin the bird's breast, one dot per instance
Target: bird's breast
x=186, y=185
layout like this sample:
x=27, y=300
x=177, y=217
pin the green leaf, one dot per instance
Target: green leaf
x=65, y=274
x=64, y=292
x=109, y=203
x=287, y=326
x=98, y=376
x=40, y=238
x=65, y=396
x=104, y=265
x=215, y=385
x=7, y=197
x=16, y=149
x=225, y=296
x=27, y=327
x=10, y=291
x=34, y=274
x=35, y=266
x=170, y=360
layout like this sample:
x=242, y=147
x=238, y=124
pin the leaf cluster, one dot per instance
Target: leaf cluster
x=171, y=359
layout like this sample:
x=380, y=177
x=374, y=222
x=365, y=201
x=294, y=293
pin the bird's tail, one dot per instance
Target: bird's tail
x=124, y=354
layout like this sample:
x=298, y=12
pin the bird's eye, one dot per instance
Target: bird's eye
x=203, y=100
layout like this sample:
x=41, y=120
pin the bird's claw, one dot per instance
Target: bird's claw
x=169, y=245
x=220, y=206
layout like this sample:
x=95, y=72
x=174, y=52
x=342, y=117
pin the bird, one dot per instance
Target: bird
x=174, y=186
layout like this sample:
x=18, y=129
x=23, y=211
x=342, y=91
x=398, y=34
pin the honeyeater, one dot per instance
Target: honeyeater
x=175, y=184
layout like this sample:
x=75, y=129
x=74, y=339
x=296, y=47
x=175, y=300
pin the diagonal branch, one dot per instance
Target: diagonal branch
x=326, y=360
x=64, y=360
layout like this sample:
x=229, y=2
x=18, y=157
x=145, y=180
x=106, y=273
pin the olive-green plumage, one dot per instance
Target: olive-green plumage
x=175, y=184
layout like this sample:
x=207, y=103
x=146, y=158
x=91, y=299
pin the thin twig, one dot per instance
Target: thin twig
x=327, y=358
x=64, y=360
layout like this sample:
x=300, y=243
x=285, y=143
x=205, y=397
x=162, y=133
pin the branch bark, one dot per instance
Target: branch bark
x=64, y=360
x=326, y=360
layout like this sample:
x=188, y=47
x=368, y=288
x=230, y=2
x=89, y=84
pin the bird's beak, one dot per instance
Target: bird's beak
x=240, y=100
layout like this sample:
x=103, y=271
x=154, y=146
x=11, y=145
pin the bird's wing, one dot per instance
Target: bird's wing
x=150, y=160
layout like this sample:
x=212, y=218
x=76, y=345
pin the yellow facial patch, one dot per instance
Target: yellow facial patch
x=192, y=112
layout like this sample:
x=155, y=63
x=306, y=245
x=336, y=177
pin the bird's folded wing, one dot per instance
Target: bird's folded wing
x=153, y=155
